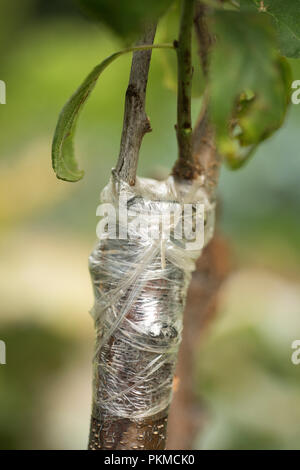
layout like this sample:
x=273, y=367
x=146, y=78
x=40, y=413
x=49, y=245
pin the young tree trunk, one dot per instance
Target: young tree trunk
x=187, y=413
x=124, y=433
x=113, y=428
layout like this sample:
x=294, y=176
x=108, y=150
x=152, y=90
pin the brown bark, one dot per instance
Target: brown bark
x=136, y=123
x=186, y=413
x=126, y=434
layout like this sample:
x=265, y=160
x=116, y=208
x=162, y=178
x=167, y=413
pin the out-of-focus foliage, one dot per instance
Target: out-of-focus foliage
x=248, y=98
x=15, y=13
x=246, y=380
x=35, y=355
x=256, y=404
x=250, y=90
x=286, y=19
x=126, y=18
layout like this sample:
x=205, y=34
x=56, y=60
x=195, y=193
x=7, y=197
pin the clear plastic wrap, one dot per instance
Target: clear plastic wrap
x=140, y=285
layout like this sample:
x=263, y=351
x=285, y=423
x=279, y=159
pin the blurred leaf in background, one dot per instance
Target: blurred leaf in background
x=245, y=372
x=252, y=93
x=285, y=17
x=48, y=229
x=125, y=18
x=35, y=355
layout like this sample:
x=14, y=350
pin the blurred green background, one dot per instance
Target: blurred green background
x=244, y=372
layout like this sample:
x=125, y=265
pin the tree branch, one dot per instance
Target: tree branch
x=188, y=414
x=184, y=167
x=136, y=123
x=204, y=149
x=203, y=35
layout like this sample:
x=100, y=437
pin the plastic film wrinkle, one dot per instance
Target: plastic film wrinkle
x=140, y=285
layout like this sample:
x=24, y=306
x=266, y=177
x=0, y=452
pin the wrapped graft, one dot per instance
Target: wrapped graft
x=141, y=269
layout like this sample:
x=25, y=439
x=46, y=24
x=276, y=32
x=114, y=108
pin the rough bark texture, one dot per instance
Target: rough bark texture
x=204, y=152
x=136, y=123
x=124, y=434
x=187, y=415
x=204, y=149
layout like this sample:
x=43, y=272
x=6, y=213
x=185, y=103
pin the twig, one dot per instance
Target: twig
x=204, y=149
x=185, y=167
x=136, y=123
x=186, y=413
x=203, y=35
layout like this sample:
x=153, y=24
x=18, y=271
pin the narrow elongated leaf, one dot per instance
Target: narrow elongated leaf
x=63, y=159
x=244, y=60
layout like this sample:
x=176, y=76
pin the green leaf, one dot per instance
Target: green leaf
x=250, y=89
x=286, y=19
x=125, y=17
x=289, y=42
x=286, y=16
x=248, y=5
x=63, y=159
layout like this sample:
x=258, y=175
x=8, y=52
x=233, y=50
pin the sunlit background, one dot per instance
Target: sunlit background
x=245, y=377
